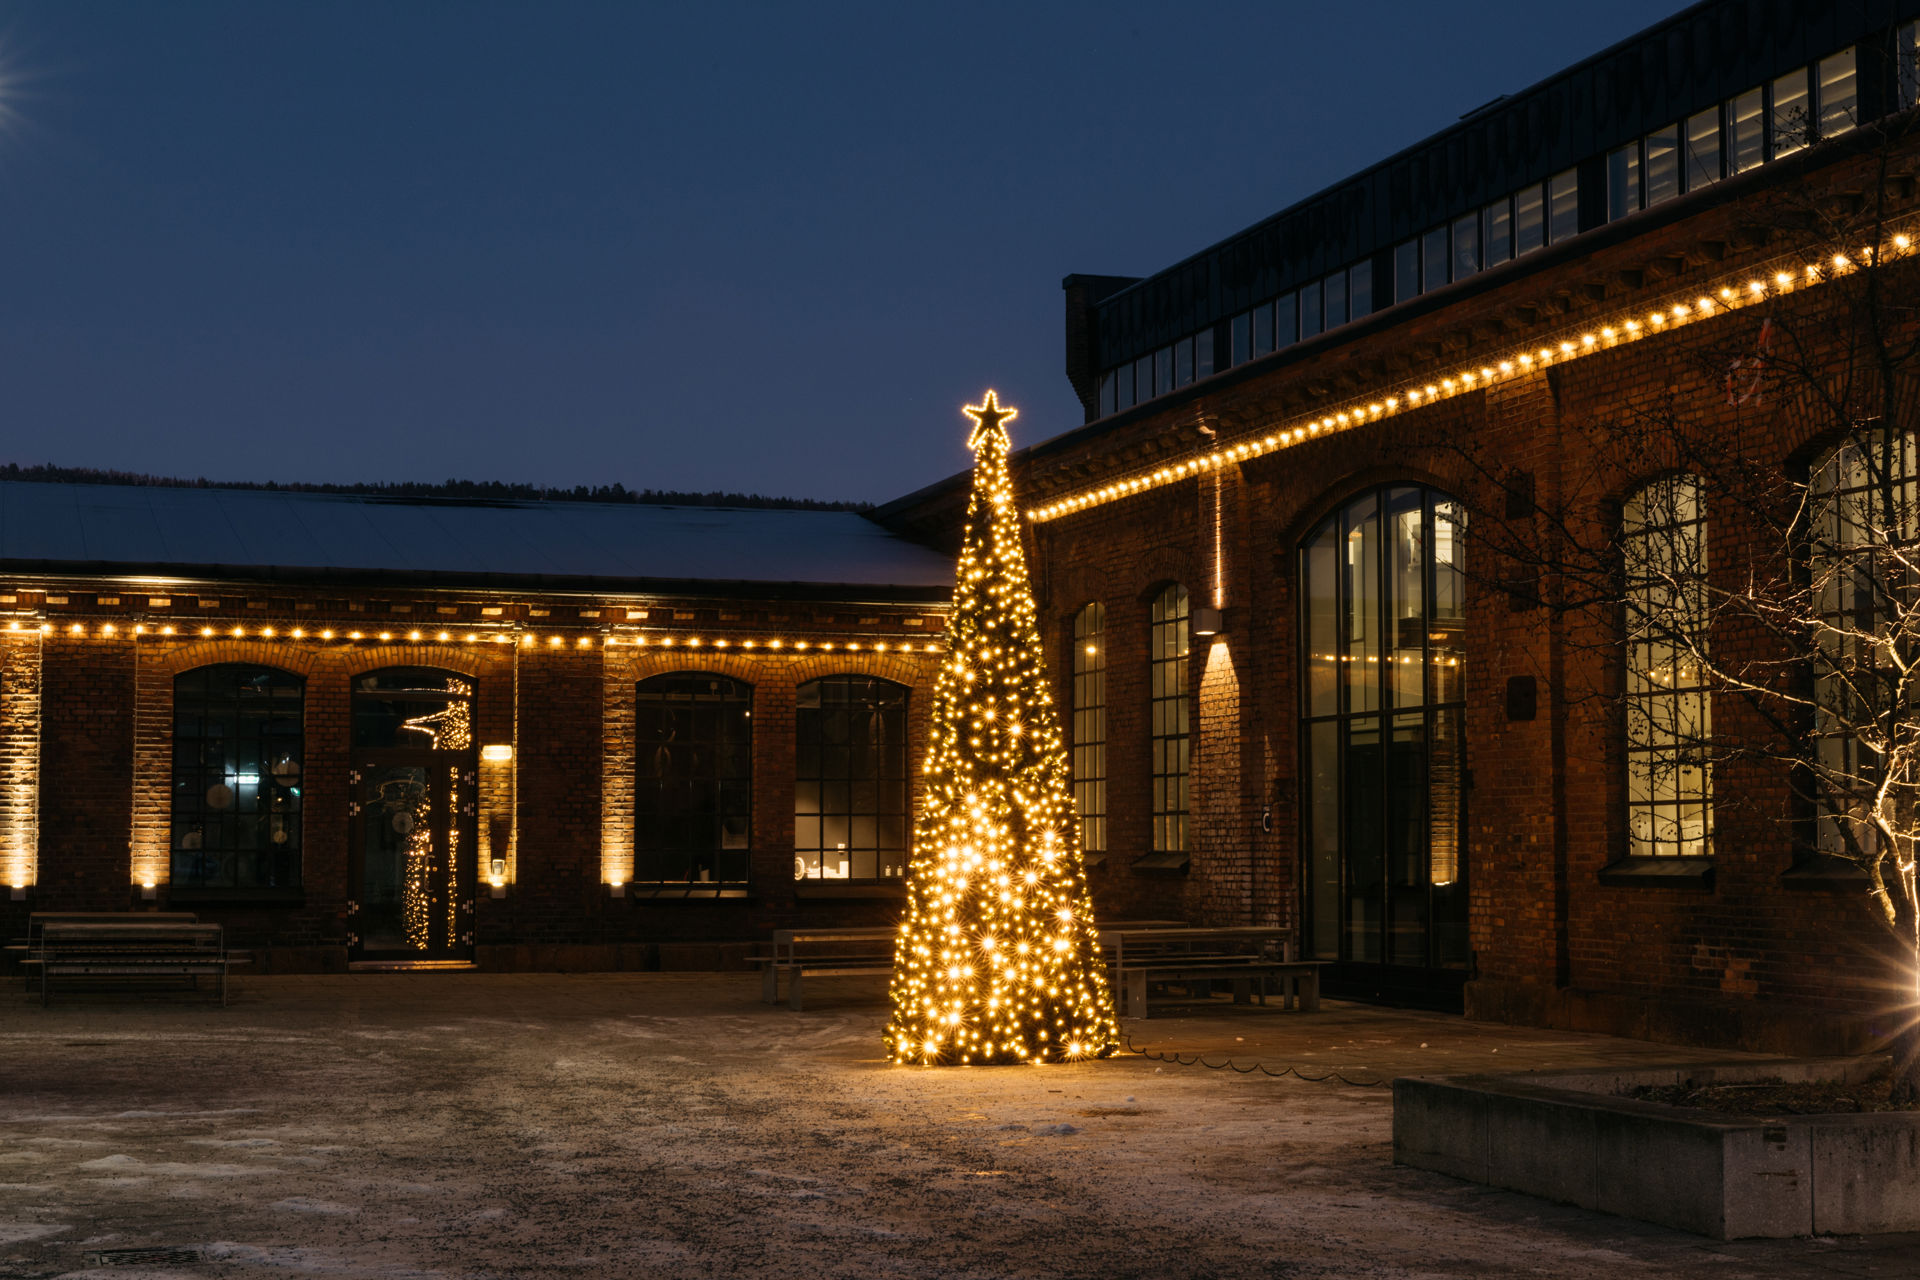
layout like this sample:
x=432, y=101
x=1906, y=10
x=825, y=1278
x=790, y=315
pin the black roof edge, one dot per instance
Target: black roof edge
x=276, y=575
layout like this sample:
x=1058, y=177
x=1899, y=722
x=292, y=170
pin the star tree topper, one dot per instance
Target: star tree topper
x=997, y=960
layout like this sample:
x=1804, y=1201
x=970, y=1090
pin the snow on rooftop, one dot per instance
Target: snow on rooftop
x=153, y=528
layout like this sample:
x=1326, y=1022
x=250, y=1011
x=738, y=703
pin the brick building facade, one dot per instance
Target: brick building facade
x=1455, y=830
x=116, y=795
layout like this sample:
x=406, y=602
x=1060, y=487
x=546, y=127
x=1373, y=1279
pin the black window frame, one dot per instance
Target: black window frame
x=674, y=699
x=194, y=815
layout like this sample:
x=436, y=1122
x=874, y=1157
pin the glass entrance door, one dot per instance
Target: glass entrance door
x=414, y=835
x=414, y=824
x=1382, y=732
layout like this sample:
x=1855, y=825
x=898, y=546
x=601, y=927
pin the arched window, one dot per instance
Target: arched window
x=850, y=780
x=1663, y=535
x=237, y=761
x=1168, y=720
x=1090, y=725
x=1864, y=514
x=1382, y=704
x=693, y=779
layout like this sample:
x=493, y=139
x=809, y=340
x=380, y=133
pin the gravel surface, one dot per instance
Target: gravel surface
x=671, y=1125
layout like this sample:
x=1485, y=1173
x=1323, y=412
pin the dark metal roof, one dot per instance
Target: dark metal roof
x=310, y=536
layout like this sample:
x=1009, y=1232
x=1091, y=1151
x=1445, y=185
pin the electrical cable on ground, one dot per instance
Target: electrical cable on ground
x=1331, y=1073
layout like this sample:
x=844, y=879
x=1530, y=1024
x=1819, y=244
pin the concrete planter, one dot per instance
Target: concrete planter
x=1565, y=1136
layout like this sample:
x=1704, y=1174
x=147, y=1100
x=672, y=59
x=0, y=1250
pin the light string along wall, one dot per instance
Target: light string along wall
x=1560, y=345
x=787, y=643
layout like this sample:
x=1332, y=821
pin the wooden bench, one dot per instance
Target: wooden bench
x=127, y=948
x=792, y=955
x=1298, y=978
x=1248, y=958
x=25, y=951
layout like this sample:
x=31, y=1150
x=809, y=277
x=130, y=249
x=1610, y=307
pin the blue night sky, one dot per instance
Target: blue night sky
x=758, y=247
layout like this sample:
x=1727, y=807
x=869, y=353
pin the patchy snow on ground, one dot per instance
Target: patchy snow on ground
x=465, y=1125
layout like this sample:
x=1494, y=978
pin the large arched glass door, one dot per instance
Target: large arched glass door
x=1383, y=669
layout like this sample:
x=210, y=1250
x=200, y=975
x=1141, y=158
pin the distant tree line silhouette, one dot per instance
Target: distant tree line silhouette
x=470, y=490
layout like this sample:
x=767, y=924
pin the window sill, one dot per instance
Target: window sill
x=235, y=897
x=1822, y=871
x=849, y=889
x=676, y=891
x=1169, y=860
x=1659, y=873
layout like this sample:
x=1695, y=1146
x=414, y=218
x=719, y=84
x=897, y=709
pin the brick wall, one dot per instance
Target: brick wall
x=1751, y=960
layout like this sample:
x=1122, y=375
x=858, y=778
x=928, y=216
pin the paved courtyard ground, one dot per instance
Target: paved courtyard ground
x=470, y=1125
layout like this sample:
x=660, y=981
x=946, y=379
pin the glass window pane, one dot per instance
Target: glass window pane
x=1906, y=52
x=1089, y=724
x=1466, y=246
x=1334, y=298
x=1790, y=123
x=1496, y=231
x=237, y=778
x=1433, y=259
x=1839, y=94
x=852, y=783
x=1663, y=165
x=1529, y=219
x=1563, y=205
x=1703, y=149
x=1360, y=597
x=1167, y=657
x=1623, y=182
x=1321, y=564
x=1360, y=289
x=1406, y=271
x=1746, y=125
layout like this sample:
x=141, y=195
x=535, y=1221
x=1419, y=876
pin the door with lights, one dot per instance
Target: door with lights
x=414, y=817
x=1382, y=733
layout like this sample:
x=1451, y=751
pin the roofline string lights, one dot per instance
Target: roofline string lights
x=1731, y=293
x=781, y=645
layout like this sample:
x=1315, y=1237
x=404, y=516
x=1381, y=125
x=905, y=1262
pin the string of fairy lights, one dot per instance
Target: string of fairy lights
x=1675, y=309
x=997, y=959
x=759, y=642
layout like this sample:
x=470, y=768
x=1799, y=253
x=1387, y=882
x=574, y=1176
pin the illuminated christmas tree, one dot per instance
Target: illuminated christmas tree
x=997, y=959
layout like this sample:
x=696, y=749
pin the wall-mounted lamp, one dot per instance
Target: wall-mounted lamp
x=1206, y=621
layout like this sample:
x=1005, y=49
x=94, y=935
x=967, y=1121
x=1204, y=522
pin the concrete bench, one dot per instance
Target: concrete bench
x=129, y=949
